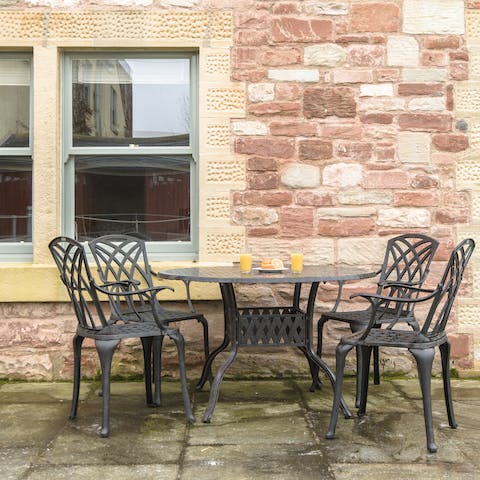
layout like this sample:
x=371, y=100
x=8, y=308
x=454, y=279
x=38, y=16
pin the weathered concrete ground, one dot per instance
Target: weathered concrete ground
x=260, y=430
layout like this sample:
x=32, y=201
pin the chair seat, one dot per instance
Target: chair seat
x=382, y=337
x=362, y=317
x=119, y=330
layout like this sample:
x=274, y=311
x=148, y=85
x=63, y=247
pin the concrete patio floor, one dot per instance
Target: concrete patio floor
x=260, y=430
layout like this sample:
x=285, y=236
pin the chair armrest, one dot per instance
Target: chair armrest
x=144, y=291
x=371, y=297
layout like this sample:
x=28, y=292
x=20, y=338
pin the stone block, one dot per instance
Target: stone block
x=381, y=103
x=424, y=75
x=254, y=216
x=440, y=42
x=450, y=142
x=376, y=90
x=461, y=345
x=386, y=179
x=280, y=56
x=427, y=104
x=342, y=175
x=328, y=54
x=275, y=108
x=426, y=122
x=315, y=149
x=361, y=251
x=316, y=8
x=293, y=129
x=346, y=131
x=404, y=218
x=292, y=29
x=315, y=250
x=434, y=17
x=375, y=17
x=262, y=164
x=346, y=227
x=415, y=199
x=432, y=89
x=314, y=198
x=402, y=51
x=281, y=148
x=261, y=92
x=366, y=55
x=249, y=128
x=352, y=76
x=361, y=197
x=327, y=101
x=356, y=151
x=383, y=118
x=262, y=180
x=346, y=212
x=291, y=75
x=297, y=221
x=299, y=175
x=414, y=147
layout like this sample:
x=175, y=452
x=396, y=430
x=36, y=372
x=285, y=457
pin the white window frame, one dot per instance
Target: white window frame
x=20, y=251
x=179, y=250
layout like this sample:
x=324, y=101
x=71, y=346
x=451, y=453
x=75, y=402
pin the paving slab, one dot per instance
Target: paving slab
x=261, y=429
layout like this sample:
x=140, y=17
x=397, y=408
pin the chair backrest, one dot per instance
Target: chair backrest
x=439, y=313
x=407, y=259
x=123, y=258
x=69, y=256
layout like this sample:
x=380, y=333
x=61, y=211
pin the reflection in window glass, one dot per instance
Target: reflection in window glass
x=14, y=102
x=15, y=169
x=144, y=196
x=140, y=101
x=15, y=199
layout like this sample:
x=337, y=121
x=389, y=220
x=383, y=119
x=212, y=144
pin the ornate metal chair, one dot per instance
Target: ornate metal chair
x=128, y=321
x=421, y=342
x=407, y=260
x=123, y=257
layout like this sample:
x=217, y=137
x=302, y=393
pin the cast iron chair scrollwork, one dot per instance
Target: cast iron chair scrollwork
x=421, y=342
x=70, y=258
x=407, y=261
x=124, y=258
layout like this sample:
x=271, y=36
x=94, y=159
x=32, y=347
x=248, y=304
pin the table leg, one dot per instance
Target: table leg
x=215, y=387
x=208, y=363
x=231, y=320
x=311, y=356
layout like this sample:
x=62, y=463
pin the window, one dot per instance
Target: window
x=15, y=156
x=130, y=148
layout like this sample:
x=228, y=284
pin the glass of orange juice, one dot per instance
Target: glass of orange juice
x=245, y=262
x=296, y=261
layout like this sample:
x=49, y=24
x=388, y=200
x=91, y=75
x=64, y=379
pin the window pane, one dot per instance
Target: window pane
x=15, y=199
x=140, y=101
x=14, y=102
x=146, y=196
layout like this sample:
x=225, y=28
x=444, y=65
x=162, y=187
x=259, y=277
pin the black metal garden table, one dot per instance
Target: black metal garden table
x=269, y=326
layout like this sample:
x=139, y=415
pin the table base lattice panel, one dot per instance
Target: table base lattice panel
x=271, y=326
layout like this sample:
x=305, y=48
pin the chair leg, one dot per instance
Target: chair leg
x=316, y=382
x=157, y=369
x=180, y=344
x=206, y=347
x=445, y=354
x=365, y=354
x=355, y=327
x=376, y=366
x=341, y=353
x=105, y=349
x=147, y=367
x=424, y=359
x=77, y=357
